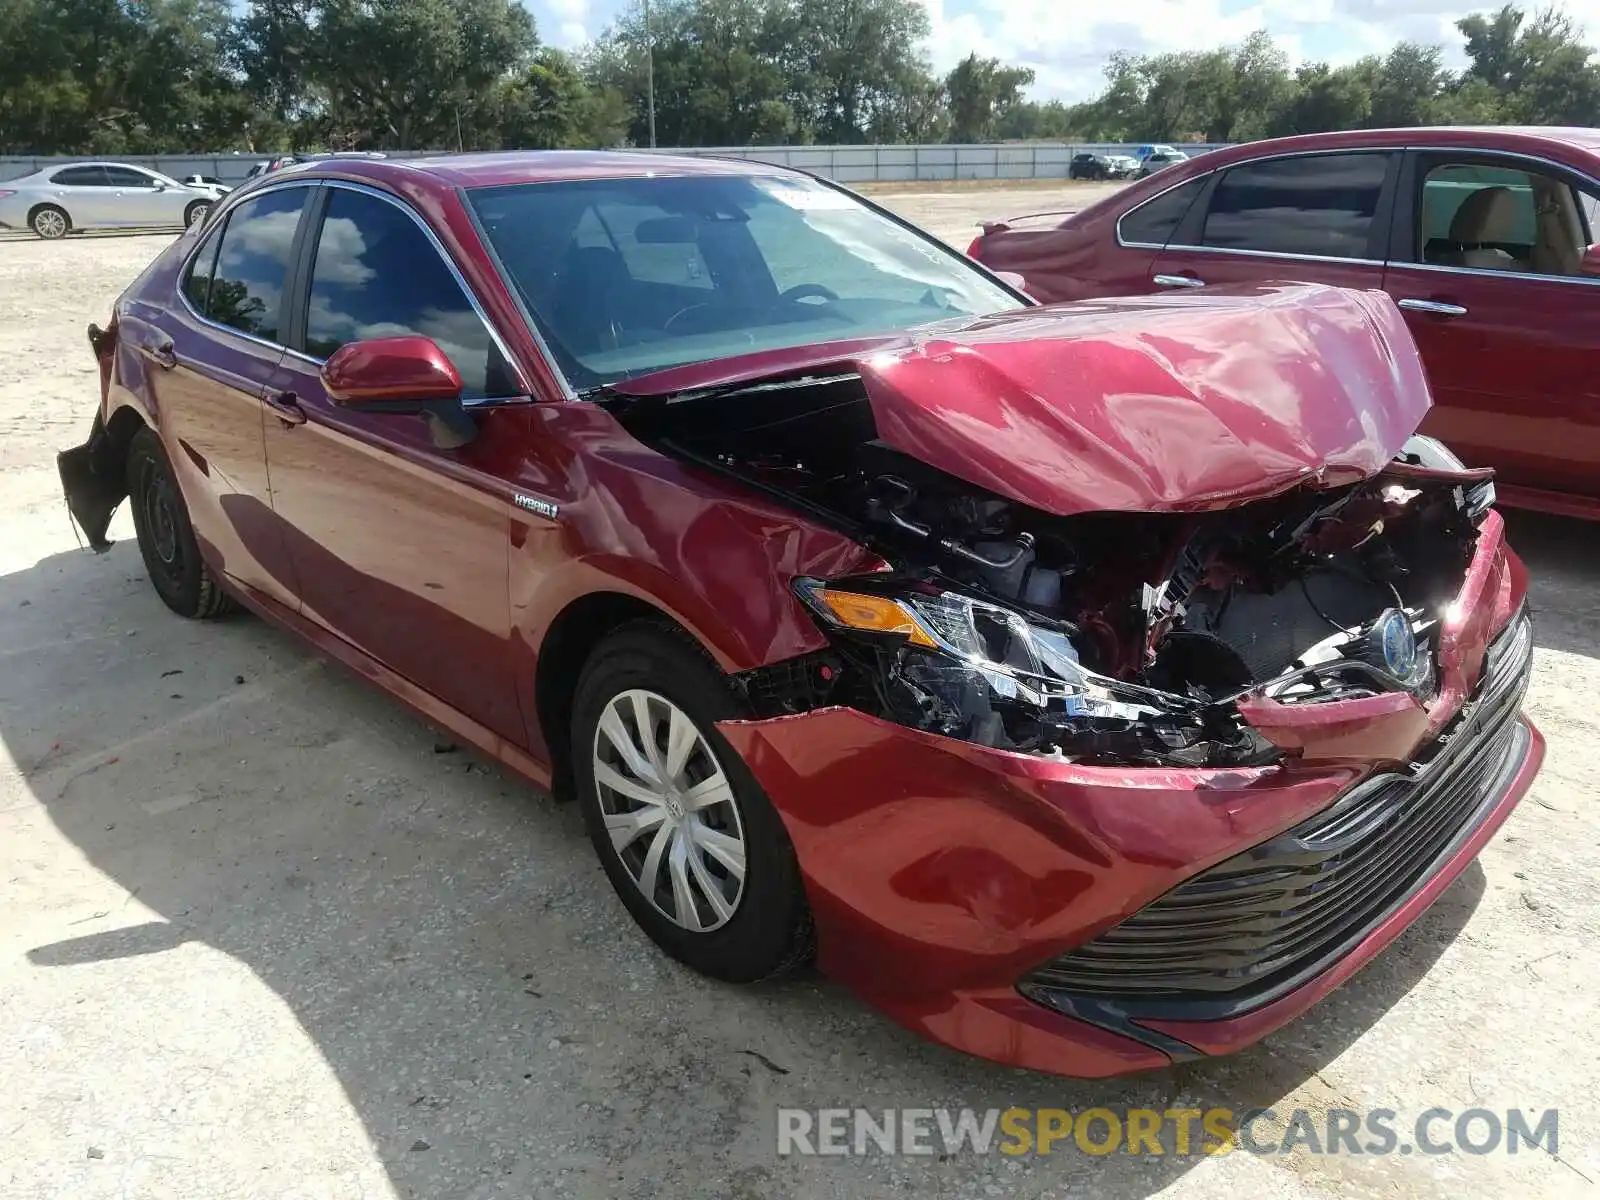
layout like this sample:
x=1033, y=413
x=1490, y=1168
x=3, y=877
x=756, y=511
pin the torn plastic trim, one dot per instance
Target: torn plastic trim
x=92, y=485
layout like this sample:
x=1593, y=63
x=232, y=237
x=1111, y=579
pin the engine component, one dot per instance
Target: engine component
x=1105, y=636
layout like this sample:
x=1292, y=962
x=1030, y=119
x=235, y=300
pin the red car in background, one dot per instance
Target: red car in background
x=1089, y=687
x=1484, y=237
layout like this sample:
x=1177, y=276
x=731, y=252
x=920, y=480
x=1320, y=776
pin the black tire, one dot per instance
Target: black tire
x=770, y=930
x=166, y=536
x=196, y=212
x=50, y=222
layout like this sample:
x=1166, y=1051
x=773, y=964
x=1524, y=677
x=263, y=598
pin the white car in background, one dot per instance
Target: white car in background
x=101, y=195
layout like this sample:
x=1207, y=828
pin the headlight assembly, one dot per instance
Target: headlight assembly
x=956, y=665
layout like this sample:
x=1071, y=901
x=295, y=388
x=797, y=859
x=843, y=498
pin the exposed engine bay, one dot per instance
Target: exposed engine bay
x=1104, y=637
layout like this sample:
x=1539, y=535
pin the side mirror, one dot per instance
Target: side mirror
x=1590, y=264
x=401, y=375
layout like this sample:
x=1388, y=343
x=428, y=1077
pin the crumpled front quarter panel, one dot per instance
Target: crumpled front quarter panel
x=1168, y=403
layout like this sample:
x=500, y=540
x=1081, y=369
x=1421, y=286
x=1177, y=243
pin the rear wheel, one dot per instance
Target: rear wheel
x=691, y=844
x=166, y=537
x=50, y=222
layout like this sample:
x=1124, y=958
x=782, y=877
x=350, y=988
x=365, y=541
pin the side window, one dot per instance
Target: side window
x=376, y=274
x=253, y=263
x=655, y=247
x=197, y=279
x=1502, y=218
x=1321, y=205
x=1154, y=222
x=127, y=177
x=81, y=177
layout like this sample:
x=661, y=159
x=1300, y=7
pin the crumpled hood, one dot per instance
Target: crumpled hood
x=1169, y=403
x=1157, y=404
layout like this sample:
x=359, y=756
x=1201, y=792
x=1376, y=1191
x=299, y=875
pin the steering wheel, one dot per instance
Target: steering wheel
x=683, y=312
x=806, y=291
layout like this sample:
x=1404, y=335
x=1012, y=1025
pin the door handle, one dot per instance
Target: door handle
x=1437, y=308
x=286, y=408
x=162, y=354
x=1177, y=281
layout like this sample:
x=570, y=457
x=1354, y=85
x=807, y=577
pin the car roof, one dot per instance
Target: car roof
x=527, y=166
x=1510, y=137
x=93, y=162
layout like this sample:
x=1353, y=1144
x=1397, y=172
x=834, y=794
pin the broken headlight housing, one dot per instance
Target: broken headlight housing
x=956, y=665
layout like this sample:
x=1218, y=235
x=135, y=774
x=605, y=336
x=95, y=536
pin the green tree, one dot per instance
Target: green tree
x=1327, y=98
x=849, y=60
x=1407, y=87
x=412, y=74
x=980, y=92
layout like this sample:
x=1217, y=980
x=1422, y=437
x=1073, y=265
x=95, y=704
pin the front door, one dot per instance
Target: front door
x=1487, y=256
x=141, y=199
x=400, y=548
x=209, y=355
x=1312, y=218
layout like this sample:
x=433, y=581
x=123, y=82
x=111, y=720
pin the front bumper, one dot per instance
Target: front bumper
x=943, y=875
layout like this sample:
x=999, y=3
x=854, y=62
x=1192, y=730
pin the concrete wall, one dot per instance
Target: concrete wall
x=848, y=164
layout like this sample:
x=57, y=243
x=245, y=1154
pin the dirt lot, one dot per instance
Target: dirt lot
x=257, y=938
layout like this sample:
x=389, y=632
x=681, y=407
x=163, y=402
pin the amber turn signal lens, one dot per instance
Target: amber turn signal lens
x=874, y=614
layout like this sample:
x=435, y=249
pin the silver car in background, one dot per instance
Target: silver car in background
x=101, y=195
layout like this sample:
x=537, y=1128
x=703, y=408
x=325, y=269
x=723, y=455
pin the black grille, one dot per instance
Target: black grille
x=1251, y=928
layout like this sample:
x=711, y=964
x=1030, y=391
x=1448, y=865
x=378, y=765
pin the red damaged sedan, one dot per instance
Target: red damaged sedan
x=1088, y=687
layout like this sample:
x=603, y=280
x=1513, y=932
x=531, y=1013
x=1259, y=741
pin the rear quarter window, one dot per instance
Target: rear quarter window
x=1154, y=222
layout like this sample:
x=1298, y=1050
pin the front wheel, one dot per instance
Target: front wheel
x=166, y=536
x=50, y=222
x=196, y=213
x=690, y=842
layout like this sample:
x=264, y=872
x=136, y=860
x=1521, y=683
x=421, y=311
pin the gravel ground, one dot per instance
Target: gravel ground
x=258, y=938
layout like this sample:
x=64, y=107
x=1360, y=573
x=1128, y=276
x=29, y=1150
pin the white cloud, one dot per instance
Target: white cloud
x=1068, y=48
x=1068, y=53
x=569, y=22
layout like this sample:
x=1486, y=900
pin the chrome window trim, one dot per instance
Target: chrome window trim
x=433, y=240
x=1281, y=254
x=215, y=229
x=1468, y=151
x=1445, y=269
x=1285, y=254
x=1247, y=162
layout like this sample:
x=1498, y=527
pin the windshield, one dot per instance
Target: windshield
x=628, y=276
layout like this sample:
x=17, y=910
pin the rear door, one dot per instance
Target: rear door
x=206, y=358
x=1487, y=249
x=1316, y=218
x=86, y=194
x=400, y=548
x=1081, y=260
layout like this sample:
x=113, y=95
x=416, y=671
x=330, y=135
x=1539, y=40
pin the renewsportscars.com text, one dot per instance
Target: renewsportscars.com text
x=1173, y=1131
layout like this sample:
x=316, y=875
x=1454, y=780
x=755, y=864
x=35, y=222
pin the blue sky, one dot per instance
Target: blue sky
x=1066, y=41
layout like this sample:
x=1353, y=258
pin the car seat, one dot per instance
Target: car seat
x=1487, y=216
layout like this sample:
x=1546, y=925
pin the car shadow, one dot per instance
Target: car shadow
x=1563, y=558
x=27, y=235
x=448, y=944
